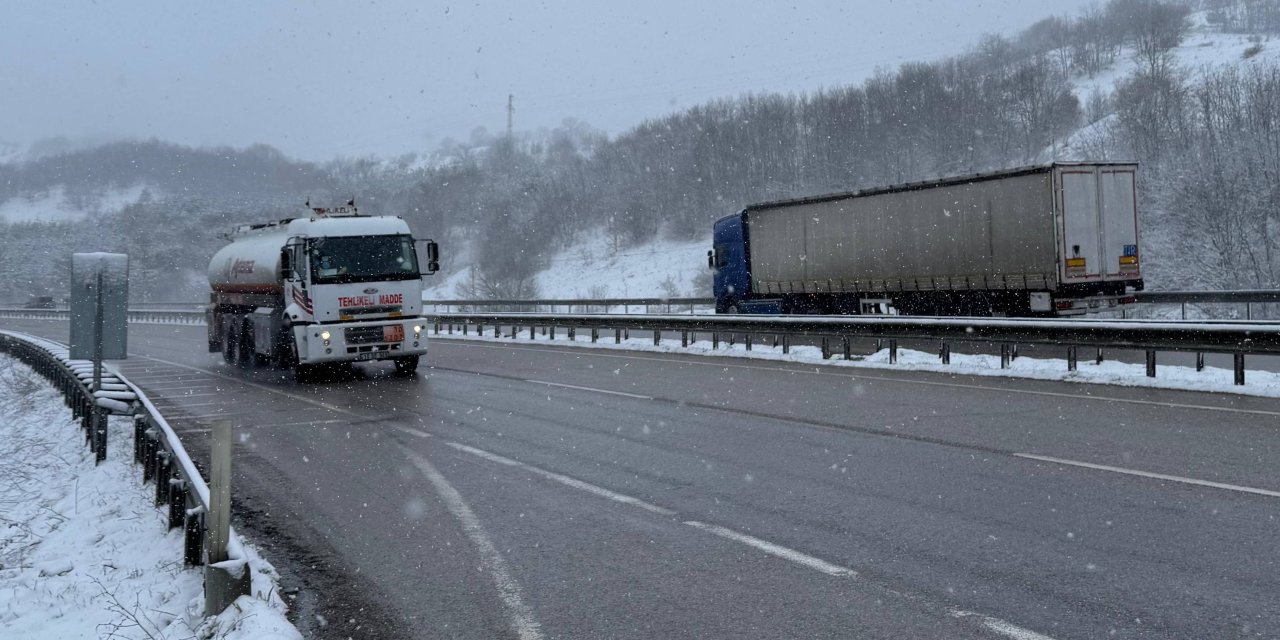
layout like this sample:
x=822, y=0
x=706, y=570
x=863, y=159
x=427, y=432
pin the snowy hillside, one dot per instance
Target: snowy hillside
x=593, y=269
x=56, y=205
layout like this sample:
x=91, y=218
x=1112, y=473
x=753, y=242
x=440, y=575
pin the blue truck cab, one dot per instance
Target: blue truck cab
x=731, y=268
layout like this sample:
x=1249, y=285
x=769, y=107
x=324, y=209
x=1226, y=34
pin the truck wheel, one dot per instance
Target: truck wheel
x=406, y=365
x=246, y=358
x=230, y=344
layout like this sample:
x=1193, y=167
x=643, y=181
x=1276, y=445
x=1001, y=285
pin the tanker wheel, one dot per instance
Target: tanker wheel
x=230, y=344
x=245, y=359
x=406, y=365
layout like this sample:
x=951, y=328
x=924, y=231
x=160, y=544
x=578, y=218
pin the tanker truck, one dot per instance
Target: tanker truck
x=1050, y=240
x=335, y=286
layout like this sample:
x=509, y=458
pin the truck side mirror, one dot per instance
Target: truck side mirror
x=432, y=251
x=286, y=265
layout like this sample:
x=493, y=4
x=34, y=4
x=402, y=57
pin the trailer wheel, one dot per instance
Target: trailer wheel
x=406, y=365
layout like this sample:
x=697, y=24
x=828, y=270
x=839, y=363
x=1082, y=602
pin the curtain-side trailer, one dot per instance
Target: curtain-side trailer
x=1056, y=239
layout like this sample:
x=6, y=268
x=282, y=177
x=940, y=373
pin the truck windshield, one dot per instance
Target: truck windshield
x=362, y=259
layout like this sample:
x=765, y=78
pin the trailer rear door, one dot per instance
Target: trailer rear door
x=1119, y=222
x=1081, y=250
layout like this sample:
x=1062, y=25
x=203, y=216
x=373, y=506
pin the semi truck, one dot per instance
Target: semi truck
x=1049, y=240
x=335, y=286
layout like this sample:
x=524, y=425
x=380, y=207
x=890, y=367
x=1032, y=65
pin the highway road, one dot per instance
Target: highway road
x=534, y=491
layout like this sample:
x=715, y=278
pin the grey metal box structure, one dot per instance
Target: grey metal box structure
x=85, y=268
x=1012, y=229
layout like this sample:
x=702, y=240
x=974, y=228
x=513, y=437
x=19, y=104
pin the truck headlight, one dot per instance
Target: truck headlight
x=324, y=335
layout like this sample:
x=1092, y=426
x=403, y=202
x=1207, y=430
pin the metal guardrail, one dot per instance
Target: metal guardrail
x=179, y=488
x=1237, y=338
x=583, y=305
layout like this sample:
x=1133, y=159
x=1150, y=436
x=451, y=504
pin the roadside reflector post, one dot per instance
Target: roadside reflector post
x=1239, y=368
x=1071, y=358
x=1004, y=355
x=893, y=351
x=1151, y=363
x=1199, y=361
x=224, y=579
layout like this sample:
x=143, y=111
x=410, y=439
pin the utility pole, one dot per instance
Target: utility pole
x=511, y=113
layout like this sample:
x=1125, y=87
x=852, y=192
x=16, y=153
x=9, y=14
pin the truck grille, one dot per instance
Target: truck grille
x=365, y=334
x=368, y=311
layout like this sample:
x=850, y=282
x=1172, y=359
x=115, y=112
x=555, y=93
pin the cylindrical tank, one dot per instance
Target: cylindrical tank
x=250, y=264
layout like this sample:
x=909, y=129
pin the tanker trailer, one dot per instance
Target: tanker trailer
x=1050, y=240
x=332, y=287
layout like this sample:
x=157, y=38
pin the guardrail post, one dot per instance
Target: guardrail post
x=1199, y=361
x=945, y=352
x=162, y=477
x=826, y=348
x=1071, y=358
x=533, y=332
x=657, y=337
x=684, y=339
x=617, y=336
x=224, y=581
x=550, y=332
x=1004, y=355
x=1099, y=360
x=100, y=436
x=786, y=343
x=846, y=347
x=193, y=536
x=595, y=334
x=177, y=500
x=1151, y=363
x=1013, y=352
x=1238, y=362
x=893, y=351
x=148, y=455
x=746, y=341
x=497, y=331
x=139, y=425
x=715, y=340
x=466, y=329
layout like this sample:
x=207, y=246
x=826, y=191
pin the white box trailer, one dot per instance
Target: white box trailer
x=1054, y=239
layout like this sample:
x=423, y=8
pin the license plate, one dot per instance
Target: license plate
x=368, y=355
x=393, y=333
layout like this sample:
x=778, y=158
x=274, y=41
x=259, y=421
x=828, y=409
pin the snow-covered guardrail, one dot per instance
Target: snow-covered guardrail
x=179, y=488
x=1236, y=338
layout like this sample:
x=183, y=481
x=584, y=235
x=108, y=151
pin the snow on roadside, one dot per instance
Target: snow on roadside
x=1213, y=379
x=83, y=553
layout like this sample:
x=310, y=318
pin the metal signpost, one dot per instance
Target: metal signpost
x=224, y=579
x=99, y=302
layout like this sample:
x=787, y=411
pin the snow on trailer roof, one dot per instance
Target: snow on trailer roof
x=935, y=182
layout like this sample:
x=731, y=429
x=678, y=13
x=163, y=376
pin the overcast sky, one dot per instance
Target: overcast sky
x=323, y=79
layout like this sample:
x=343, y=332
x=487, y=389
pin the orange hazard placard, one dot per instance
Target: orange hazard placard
x=393, y=333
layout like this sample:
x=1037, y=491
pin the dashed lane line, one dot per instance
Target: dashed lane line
x=1149, y=474
x=592, y=389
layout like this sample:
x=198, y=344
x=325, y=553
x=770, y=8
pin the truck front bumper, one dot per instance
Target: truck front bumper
x=361, y=341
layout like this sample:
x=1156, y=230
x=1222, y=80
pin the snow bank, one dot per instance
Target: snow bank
x=83, y=553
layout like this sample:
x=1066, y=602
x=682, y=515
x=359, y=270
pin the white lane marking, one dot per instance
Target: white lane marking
x=413, y=432
x=212, y=415
x=521, y=616
x=170, y=404
x=777, y=550
x=861, y=376
x=565, y=480
x=1002, y=627
x=261, y=387
x=1148, y=474
x=186, y=395
x=574, y=386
